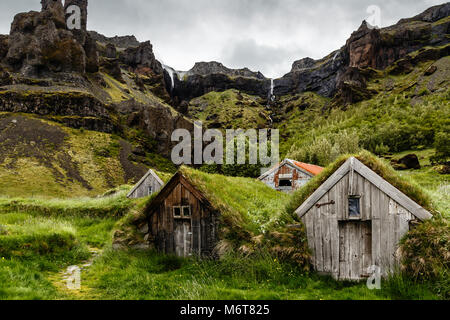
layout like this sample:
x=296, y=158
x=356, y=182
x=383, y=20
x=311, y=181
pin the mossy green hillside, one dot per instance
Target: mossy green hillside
x=230, y=109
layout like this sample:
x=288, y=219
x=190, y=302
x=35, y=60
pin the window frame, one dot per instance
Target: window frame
x=182, y=215
x=354, y=217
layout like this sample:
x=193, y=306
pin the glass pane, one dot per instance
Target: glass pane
x=187, y=211
x=177, y=211
x=354, y=208
x=285, y=183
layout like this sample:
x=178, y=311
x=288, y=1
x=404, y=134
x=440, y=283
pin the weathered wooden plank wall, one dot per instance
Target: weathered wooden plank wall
x=345, y=250
x=203, y=223
x=143, y=189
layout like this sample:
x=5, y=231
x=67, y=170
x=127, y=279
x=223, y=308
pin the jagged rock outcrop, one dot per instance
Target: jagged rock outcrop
x=206, y=77
x=75, y=109
x=208, y=68
x=4, y=46
x=141, y=57
x=155, y=120
x=311, y=75
x=40, y=43
x=117, y=41
x=367, y=47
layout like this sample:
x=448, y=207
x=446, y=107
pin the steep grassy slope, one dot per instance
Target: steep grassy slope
x=229, y=110
x=43, y=158
x=406, y=113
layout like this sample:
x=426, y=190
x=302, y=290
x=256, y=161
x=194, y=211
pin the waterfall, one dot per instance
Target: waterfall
x=171, y=73
x=336, y=55
x=272, y=90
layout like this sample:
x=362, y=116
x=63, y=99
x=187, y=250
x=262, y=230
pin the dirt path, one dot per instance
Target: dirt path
x=69, y=281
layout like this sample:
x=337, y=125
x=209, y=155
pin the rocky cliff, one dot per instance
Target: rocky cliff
x=367, y=47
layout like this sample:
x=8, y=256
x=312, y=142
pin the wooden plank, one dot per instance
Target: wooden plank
x=334, y=232
x=384, y=243
x=308, y=220
x=393, y=192
x=325, y=210
x=318, y=239
x=342, y=251
x=376, y=242
x=324, y=188
x=366, y=200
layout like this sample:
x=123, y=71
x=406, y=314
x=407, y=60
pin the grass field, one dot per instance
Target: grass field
x=39, y=239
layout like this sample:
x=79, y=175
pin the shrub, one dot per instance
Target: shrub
x=425, y=254
x=442, y=145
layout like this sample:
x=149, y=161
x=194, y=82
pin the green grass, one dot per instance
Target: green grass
x=229, y=110
x=147, y=275
x=105, y=207
x=40, y=238
x=243, y=202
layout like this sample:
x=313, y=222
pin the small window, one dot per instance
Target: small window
x=177, y=212
x=286, y=183
x=187, y=211
x=354, y=206
x=150, y=190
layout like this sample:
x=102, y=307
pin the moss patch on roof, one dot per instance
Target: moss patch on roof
x=243, y=202
x=379, y=166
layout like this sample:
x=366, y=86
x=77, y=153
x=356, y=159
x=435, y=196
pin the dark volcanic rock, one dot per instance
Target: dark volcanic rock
x=206, y=77
x=156, y=121
x=369, y=48
x=310, y=75
x=110, y=51
x=71, y=104
x=141, y=57
x=410, y=161
x=117, y=41
x=4, y=46
x=208, y=68
x=197, y=85
x=111, y=67
x=40, y=43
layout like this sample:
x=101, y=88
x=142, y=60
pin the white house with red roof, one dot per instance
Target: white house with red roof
x=289, y=175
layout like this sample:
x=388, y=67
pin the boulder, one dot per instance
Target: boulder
x=110, y=51
x=410, y=161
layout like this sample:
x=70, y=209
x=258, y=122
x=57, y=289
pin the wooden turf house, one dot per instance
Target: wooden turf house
x=355, y=220
x=289, y=175
x=181, y=219
x=196, y=213
x=149, y=184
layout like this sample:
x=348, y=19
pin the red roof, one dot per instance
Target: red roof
x=315, y=170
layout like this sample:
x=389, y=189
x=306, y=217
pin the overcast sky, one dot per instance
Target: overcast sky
x=264, y=35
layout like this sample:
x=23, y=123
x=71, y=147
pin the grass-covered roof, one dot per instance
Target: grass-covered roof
x=243, y=202
x=377, y=165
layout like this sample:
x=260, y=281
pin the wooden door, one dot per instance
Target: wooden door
x=355, y=249
x=183, y=238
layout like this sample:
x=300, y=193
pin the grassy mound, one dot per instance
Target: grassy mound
x=22, y=235
x=425, y=255
x=377, y=165
x=252, y=217
x=245, y=204
x=115, y=205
